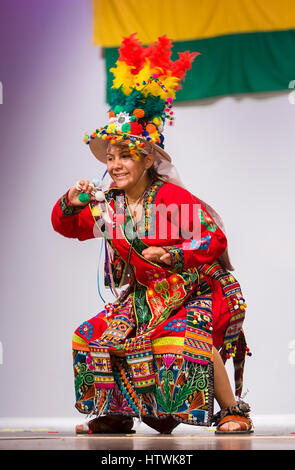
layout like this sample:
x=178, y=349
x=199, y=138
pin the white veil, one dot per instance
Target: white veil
x=168, y=171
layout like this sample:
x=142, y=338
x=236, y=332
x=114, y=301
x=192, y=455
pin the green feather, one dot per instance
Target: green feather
x=154, y=106
x=117, y=97
x=133, y=101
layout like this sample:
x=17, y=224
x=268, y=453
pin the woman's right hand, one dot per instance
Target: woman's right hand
x=73, y=194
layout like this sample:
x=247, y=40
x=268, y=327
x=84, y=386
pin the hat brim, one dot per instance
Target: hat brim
x=99, y=147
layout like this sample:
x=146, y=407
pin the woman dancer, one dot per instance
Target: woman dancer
x=153, y=352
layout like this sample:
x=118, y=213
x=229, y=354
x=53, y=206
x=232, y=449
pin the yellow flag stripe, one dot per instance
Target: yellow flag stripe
x=187, y=19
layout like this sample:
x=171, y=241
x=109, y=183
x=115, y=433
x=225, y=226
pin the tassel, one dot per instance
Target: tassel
x=109, y=272
x=95, y=404
x=140, y=408
x=98, y=270
x=106, y=400
x=186, y=367
x=151, y=397
x=108, y=269
x=241, y=398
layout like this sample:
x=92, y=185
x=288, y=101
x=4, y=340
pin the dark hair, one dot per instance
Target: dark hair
x=153, y=174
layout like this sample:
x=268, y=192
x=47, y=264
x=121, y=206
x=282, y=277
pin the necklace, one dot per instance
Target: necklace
x=134, y=202
x=144, y=195
x=135, y=221
x=135, y=227
x=133, y=210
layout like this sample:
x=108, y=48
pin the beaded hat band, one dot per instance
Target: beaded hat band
x=100, y=141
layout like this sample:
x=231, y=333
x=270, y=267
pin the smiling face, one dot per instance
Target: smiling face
x=127, y=170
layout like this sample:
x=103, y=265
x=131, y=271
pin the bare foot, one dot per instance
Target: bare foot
x=230, y=426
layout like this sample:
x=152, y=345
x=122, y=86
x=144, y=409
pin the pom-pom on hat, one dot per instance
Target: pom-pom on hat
x=144, y=87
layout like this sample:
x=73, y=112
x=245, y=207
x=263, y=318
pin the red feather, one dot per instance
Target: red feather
x=132, y=52
x=159, y=53
x=184, y=63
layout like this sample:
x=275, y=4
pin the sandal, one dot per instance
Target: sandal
x=238, y=413
x=107, y=425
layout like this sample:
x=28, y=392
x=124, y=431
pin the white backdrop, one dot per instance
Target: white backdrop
x=236, y=153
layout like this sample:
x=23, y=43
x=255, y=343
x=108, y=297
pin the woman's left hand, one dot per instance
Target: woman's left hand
x=157, y=254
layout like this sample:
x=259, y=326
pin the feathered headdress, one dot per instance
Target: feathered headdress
x=144, y=86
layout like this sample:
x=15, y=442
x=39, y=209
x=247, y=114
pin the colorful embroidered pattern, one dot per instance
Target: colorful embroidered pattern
x=168, y=294
x=86, y=329
x=84, y=382
x=184, y=390
x=119, y=328
x=139, y=357
x=177, y=258
x=142, y=310
x=207, y=221
x=150, y=216
x=234, y=340
x=176, y=325
x=236, y=302
x=120, y=401
x=171, y=373
x=201, y=244
x=101, y=365
x=198, y=342
x=66, y=207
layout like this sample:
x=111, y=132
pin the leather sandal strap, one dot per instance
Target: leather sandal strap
x=245, y=423
x=240, y=409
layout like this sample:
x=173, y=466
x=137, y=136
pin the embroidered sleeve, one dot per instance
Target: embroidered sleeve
x=72, y=221
x=66, y=207
x=176, y=256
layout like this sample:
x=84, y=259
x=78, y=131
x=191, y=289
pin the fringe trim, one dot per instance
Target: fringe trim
x=140, y=408
x=151, y=397
x=102, y=399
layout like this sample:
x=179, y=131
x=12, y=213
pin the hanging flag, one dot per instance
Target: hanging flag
x=246, y=45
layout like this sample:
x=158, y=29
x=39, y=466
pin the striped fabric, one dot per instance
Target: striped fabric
x=235, y=345
x=245, y=45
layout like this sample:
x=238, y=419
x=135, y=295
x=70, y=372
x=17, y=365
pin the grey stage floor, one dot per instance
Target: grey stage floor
x=270, y=436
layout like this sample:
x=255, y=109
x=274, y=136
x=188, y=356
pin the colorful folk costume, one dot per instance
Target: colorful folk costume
x=149, y=353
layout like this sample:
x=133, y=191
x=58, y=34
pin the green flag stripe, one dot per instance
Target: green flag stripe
x=231, y=64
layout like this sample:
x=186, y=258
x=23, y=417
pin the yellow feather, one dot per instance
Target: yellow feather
x=123, y=76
